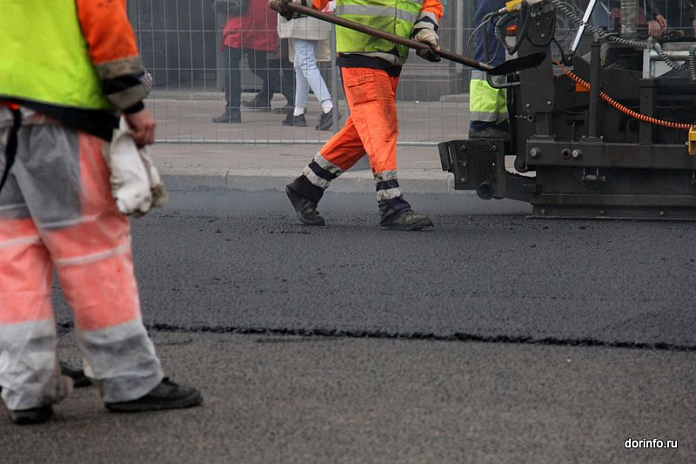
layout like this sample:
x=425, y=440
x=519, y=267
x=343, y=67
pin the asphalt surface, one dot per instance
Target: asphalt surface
x=226, y=260
x=491, y=338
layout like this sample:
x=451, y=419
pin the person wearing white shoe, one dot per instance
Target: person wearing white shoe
x=309, y=44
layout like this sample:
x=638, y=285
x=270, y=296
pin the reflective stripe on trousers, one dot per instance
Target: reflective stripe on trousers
x=57, y=212
x=372, y=128
x=485, y=102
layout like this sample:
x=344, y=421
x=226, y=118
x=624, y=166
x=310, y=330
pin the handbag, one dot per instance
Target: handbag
x=230, y=8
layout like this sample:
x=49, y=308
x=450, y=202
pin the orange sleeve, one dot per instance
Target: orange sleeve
x=318, y=4
x=113, y=50
x=434, y=7
x=107, y=30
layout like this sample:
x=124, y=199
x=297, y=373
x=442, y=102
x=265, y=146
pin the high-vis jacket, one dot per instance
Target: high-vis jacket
x=71, y=53
x=399, y=17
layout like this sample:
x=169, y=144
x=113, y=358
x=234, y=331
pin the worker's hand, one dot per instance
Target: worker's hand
x=281, y=6
x=142, y=127
x=428, y=37
x=278, y=5
x=661, y=21
x=657, y=27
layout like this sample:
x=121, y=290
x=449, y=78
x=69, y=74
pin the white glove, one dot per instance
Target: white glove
x=135, y=182
x=428, y=37
x=278, y=5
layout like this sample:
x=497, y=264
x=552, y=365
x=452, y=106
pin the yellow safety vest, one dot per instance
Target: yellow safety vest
x=44, y=57
x=395, y=17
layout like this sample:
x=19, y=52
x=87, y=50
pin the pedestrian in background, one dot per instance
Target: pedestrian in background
x=676, y=15
x=309, y=43
x=251, y=30
x=487, y=105
x=370, y=68
x=59, y=92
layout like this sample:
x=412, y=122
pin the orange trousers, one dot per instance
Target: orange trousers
x=372, y=127
x=57, y=213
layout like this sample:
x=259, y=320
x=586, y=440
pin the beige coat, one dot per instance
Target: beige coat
x=307, y=28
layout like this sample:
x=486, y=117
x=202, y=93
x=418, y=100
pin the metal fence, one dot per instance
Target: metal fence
x=180, y=43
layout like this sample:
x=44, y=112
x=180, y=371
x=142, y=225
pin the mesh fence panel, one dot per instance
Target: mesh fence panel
x=181, y=44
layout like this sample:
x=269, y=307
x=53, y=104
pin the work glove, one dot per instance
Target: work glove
x=429, y=37
x=135, y=182
x=281, y=6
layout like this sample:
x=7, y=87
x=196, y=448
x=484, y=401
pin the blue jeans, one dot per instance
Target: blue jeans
x=307, y=73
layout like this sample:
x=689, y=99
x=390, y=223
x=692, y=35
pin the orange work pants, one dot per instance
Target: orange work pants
x=372, y=127
x=57, y=213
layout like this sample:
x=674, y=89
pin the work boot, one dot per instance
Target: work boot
x=326, y=121
x=166, y=395
x=406, y=219
x=32, y=416
x=229, y=116
x=77, y=375
x=297, y=121
x=306, y=209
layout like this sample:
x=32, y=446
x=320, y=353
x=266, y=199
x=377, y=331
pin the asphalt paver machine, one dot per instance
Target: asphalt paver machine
x=603, y=128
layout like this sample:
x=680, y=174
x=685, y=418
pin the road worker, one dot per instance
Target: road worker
x=370, y=69
x=61, y=90
x=487, y=105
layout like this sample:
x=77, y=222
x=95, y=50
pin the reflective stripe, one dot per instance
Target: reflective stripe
x=430, y=23
x=12, y=206
x=488, y=117
x=314, y=179
x=387, y=185
x=66, y=223
x=28, y=360
x=21, y=241
x=124, y=358
x=486, y=103
x=388, y=194
x=384, y=11
x=385, y=175
x=325, y=164
x=94, y=257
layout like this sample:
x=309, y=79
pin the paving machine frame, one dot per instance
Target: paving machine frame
x=603, y=134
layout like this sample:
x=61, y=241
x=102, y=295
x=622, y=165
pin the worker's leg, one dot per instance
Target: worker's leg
x=28, y=368
x=372, y=128
x=64, y=180
x=487, y=105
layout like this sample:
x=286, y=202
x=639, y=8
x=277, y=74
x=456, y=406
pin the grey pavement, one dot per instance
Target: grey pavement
x=281, y=399
x=262, y=154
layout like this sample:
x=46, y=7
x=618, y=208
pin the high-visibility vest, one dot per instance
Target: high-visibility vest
x=395, y=17
x=44, y=57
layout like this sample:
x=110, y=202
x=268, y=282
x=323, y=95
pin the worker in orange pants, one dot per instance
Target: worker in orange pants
x=370, y=69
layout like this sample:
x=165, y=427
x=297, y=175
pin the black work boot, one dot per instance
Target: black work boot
x=32, y=416
x=166, y=395
x=406, y=219
x=78, y=375
x=306, y=209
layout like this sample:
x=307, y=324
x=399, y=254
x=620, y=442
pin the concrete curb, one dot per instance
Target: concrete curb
x=422, y=181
